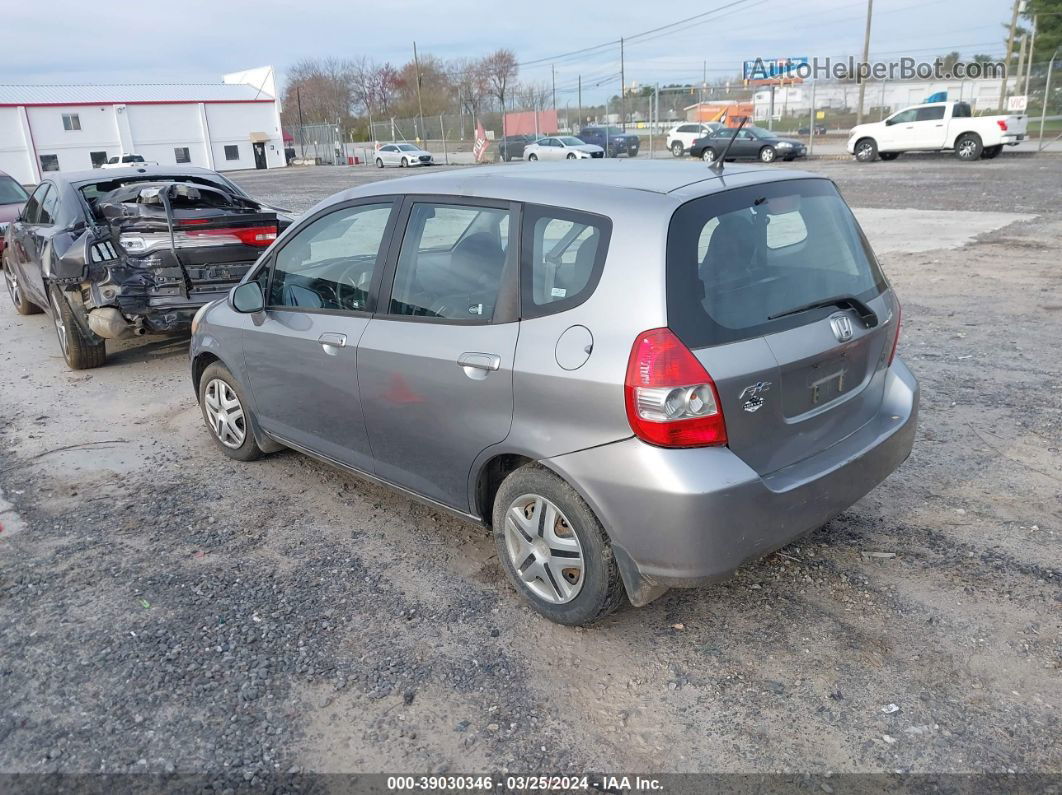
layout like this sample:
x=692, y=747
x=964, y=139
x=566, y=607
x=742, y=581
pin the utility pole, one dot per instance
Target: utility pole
x=420, y=105
x=866, y=57
x=1010, y=52
x=623, y=91
x=1021, y=61
x=704, y=85
x=553, y=73
x=302, y=126
x=1029, y=62
x=580, y=102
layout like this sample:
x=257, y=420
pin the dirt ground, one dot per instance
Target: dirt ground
x=164, y=609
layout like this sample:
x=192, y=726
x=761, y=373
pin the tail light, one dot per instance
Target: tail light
x=671, y=399
x=896, y=332
x=188, y=236
x=1002, y=124
x=260, y=236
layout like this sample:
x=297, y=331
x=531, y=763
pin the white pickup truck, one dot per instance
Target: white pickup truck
x=937, y=127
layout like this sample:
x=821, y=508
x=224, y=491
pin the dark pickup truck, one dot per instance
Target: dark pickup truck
x=613, y=140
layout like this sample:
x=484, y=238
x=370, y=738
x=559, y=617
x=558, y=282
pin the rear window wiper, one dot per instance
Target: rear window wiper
x=866, y=314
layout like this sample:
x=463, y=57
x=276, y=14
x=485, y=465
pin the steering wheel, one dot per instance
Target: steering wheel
x=352, y=286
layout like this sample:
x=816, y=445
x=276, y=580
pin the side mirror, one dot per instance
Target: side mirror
x=247, y=298
x=889, y=122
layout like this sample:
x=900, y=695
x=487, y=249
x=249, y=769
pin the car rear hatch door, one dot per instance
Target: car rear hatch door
x=794, y=378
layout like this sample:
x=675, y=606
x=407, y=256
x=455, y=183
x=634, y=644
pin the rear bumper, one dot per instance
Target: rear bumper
x=151, y=316
x=681, y=518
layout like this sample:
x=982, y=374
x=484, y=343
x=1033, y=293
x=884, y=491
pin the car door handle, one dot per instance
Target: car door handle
x=331, y=342
x=480, y=361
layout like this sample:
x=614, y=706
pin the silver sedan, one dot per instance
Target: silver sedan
x=561, y=147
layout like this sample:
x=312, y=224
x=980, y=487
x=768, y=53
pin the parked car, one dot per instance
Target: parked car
x=681, y=137
x=12, y=197
x=561, y=147
x=130, y=252
x=937, y=127
x=127, y=159
x=612, y=140
x=476, y=343
x=402, y=155
x=820, y=129
x=512, y=146
x=751, y=143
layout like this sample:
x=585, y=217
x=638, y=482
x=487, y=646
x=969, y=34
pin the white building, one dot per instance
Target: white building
x=223, y=126
x=982, y=94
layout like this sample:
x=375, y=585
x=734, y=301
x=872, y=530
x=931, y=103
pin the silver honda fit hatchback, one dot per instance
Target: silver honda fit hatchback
x=640, y=375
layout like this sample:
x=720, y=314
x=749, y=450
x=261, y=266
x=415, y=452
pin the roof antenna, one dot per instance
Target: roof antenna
x=717, y=164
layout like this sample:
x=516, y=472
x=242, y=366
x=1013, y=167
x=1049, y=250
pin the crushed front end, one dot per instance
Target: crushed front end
x=159, y=251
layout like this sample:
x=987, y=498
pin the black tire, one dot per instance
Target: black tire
x=532, y=156
x=379, y=162
x=248, y=450
x=571, y=156
x=81, y=352
x=18, y=296
x=602, y=590
x=677, y=149
x=968, y=147
x=990, y=152
x=768, y=154
x=888, y=155
x=507, y=157
x=866, y=150
x=404, y=163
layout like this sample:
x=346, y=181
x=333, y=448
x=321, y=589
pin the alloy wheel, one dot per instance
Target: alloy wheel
x=60, y=326
x=225, y=413
x=865, y=151
x=967, y=148
x=544, y=549
x=767, y=155
x=12, y=287
x=708, y=156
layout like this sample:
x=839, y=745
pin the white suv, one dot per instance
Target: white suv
x=681, y=137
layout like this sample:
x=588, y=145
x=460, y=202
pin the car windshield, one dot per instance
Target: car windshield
x=738, y=259
x=571, y=141
x=11, y=192
x=407, y=147
x=612, y=131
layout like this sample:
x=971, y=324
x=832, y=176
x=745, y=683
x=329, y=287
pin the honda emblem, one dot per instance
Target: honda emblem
x=842, y=327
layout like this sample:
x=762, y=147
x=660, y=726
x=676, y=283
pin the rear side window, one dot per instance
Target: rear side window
x=563, y=254
x=10, y=191
x=738, y=259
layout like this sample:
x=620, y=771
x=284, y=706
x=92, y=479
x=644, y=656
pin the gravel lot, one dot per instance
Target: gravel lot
x=166, y=610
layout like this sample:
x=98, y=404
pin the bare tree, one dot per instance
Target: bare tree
x=501, y=70
x=532, y=96
x=322, y=88
x=472, y=83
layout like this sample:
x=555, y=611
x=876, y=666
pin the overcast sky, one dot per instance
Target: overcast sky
x=71, y=41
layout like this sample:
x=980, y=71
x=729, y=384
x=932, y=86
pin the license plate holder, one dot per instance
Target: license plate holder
x=828, y=387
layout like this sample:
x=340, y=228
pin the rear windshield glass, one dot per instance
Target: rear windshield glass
x=739, y=258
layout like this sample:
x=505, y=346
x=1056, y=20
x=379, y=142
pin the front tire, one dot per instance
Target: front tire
x=532, y=157
x=990, y=152
x=18, y=297
x=571, y=156
x=79, y=351
x=404, y=163
x=866, y=150
x=768, y=154
x=677, y=149
x=968, y=147
x=554, y=550
x=226, y=412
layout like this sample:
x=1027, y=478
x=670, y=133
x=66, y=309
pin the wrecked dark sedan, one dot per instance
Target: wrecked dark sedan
x=122, y=253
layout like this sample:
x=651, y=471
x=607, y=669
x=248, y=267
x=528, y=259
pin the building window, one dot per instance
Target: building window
x=49, y=162
x=232, y=152
x=98, y=158
x=71, y=121
x=182, y=154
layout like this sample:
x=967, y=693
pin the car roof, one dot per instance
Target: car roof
x=590, y=184
x=78, y=178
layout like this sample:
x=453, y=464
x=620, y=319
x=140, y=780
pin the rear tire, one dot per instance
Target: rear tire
x=968, y=147
x=379, y=163
x=990, y=152
x=507, y=157
x=553, y=584
x=886, y=156
x=708, y=155
x=866, y=150
x=677, y=149
x=227, y=413
x=79, y=351
x=22, y=305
